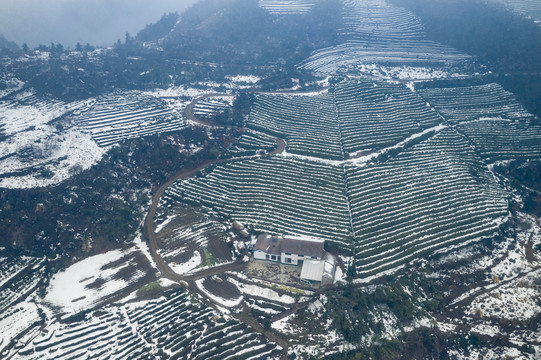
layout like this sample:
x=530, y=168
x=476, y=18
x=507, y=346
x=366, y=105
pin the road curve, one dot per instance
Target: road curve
x=149, y=230
x=188, y=114
x=188, y=280
x=149, y=220
x=188, y=111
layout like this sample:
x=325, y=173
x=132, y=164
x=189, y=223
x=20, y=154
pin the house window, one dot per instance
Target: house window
x=288, y=253
x=273, y=257
x=314, y=257
x=267, y=257
x=300, y=255
x=288, y=260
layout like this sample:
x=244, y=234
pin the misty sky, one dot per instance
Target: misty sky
x=98, y=22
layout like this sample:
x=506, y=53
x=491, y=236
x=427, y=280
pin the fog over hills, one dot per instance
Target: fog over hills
x=98, y=22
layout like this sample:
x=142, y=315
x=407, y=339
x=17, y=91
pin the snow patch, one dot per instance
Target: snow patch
x=189, y=265
x=84, y=284
x=259, y=291
x=16, y=320
x=248, y=79
x=283, y=325
x=143, y=247
x=162, y=225
x=37, y=152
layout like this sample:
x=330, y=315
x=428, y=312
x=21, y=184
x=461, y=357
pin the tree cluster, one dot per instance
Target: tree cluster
x=102, y=207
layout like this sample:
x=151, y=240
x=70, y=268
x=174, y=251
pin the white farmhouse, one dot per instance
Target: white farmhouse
x=317, y=264
x=290, y=250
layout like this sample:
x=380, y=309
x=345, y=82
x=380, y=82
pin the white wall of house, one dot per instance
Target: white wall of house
x=261, y=255
x=293, y=259
x=284, y=258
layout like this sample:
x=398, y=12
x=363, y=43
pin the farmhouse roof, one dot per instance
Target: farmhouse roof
x=303, y=246
x=313, y=270
x=268, y=244
x=276, y=245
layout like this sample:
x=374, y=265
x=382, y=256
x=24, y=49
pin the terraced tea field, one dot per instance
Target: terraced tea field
x=11, y=267
x=459, y=104
x=491, y=118
x=20, y=276
x=124, y=115
x=256, y=142
x=308, y=123
x=16, y=321
x=276, y=194
x=377, y=32
x=251, y=143
x=352, y=117
x=21, y=285
x=380, y=19
x=432, y=196
x=375, y=115
x=47, y=141
x=410, y=186
x=210, y=107
x=499, y=139
x=287, y=7
x=176, y=326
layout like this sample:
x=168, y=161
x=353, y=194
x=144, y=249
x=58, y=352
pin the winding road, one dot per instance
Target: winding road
x=149, y=230
x=188, y=280
x=188, y=114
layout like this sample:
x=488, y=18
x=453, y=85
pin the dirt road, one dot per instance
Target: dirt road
x=162, y=266
x=188, y=111
x=188, y=114
x=189, y=279
x=149, y=230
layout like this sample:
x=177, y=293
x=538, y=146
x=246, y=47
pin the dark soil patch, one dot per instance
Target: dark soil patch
x=136, y=261
x=219, y=249
x=117, y=263
x=530, y=252
x=96, y=284
x=125, y=273
x=222, y=288
x=181, y=258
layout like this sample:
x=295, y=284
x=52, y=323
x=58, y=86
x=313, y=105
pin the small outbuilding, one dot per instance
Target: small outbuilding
x=312, y=271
